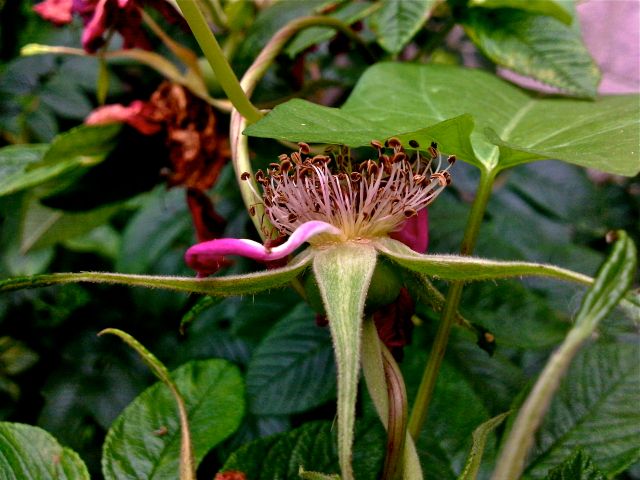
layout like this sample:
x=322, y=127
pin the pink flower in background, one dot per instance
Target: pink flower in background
x=102, y=16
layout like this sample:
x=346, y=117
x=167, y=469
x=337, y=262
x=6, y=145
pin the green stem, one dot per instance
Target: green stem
x=217, y=60
x=448, y=316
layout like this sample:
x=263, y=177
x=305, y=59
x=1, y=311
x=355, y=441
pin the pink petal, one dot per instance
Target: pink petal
x=206, y=257
x=56, y=11
x=414, y=232
x=132, y=115
x=93, y=31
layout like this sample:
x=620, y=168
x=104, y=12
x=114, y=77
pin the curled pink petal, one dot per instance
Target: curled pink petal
x=205, y=257
x=133, y=115
x=414, y=232
x=56, y=11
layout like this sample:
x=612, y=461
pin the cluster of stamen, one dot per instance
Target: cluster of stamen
x=365, y=200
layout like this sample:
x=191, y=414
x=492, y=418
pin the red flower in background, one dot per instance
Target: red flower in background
x=103, y=16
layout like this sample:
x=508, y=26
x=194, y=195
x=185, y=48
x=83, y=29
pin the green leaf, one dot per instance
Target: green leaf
x=536, y=46
x=480, y=434
x=348, y=13
x=393, y=99
x=29, y=452
x=398, y=21
x=312, y=447
x=292, y=369
x=217, y=286
x=281, y=456
x=44, y=227
x=596, y=409
x=25, y=166
x=559, y=9
x=343, y=273
x=578, y=466
x=144, y=441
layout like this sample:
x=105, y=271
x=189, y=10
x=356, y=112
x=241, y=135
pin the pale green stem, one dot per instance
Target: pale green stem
x=187, y=463
x=217, y=60
x=448, y=316
x=518, y=444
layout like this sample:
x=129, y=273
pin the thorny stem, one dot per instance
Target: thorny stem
x=447, y=318
x=213, y=53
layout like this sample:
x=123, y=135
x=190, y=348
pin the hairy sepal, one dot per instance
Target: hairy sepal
x=343, y=273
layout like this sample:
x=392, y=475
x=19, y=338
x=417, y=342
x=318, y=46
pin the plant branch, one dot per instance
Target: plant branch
x=217, y=60
x=448, y=316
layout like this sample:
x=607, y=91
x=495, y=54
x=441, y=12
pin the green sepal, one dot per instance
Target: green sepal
x=343, y=273
x=480, y=435
x=217, y=286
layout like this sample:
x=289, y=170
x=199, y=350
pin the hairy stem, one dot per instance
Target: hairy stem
x=448, y=316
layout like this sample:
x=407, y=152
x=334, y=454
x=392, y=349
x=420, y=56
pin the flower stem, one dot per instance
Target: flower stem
x=217, y=60
x=448, y=316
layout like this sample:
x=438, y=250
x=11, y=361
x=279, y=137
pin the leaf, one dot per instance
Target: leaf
x=280, y=456
x=348, y=13
x=292, y=369
x=26, y=166
x=559, y=9
x=343, y=274
x=44, y=227
x=480, y=435
x=398, y=21
x=536, y=46
x=596, y=409
x=578, y=466
x=144, y=441
x=29, y=452
x=312, y=447
x=393, y=99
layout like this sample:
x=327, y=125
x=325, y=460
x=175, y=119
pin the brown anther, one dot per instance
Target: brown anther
x=377, y=144
x=409, y=212
x=419, y=179
x=259, y=176
x=304, y=148
x=292, y=217
x=451, y=159
x=245, y=176
x=267, y=202
x=296, y=157
x=433, y=150
x=286, y=165
x=399, y=157
x=442, y=179
x=393, y=142
x=283, y=156
x=447, y=175
x=414, y=144
x=342, y=176
x=355, y=177
x=252, y=211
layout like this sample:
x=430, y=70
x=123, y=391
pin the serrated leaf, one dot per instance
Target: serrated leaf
x=578, y=466
x=560, y=9
x=311, y=447
x=292, y=370
x=393, y=99
x=144, y=441
x=397, y=21
x=28, y=452
x=596, y=409
x=537, y=46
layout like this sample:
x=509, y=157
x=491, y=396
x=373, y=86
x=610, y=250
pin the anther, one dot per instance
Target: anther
x=252, y=211
x=377, y=144
x=433, y=150
x=409, y=212
x=451, y=159
x=283, y=156
x=399, y=157
x=355, y=177
x=259, y=176
x=245, y=176
x=292, y=217
x=414, y=144
x=304, y=148
x=393, y=142
x=296, y=157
